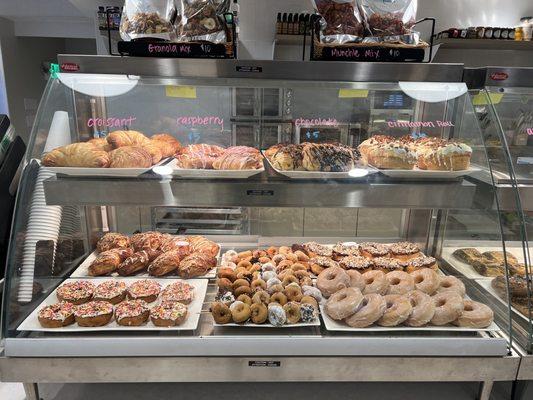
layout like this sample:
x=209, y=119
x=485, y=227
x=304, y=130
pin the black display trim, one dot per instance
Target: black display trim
x=174, y=50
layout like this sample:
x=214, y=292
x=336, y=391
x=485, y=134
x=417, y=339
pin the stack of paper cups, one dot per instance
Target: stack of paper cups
x=44, y=221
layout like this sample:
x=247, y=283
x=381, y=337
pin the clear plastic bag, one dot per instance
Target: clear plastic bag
x=341, y=21
x=148, y=19
x=199, y=21
x=390, y=21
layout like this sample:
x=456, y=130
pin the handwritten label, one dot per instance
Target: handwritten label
x=419, y=124
x=110, y=122
x=372, y=54
x=193, y=121
x=169, y=48
x=299, y=122
x=529, y=131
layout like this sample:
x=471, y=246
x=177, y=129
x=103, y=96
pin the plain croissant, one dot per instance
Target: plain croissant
x=77, y=155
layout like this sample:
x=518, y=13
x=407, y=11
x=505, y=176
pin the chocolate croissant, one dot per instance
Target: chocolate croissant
x=126, y=138
x=130, y=157
x=328, y=157
x=83, y=155
x=286, y=158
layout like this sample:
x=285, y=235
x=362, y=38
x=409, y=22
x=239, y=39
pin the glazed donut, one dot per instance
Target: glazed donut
x=317, y=269
x=423, y=308
x=284, y=265
x=356, y=279
x=245, y=299
x=227, y=273
x=475, y=315
x=301, y=256
x=307, y=281
x=426, y=280
x=240, y=312
x=308, y=313
x=268, y=267
x=221, y=313
x=376, y=282
x=292, y=311
x=254, y=268
x=279, y=298
x=448, y=307
x=246, y=275
x=261, y=297
x=244, y=264
x=292, y=257
x=224, y=284
x=258, y=313
x=371, y=309
x=258, y=284
x=400, y=282
x=276, y=314
x=293, y=292
x=267, y=275
x=240, y=282
x=273, y=281
x=343, y=303
x=451, y=283
x=285, y=250
x=288, y=279
x=256, y=275
x=272, y=251
x=227, y=298
x=398, y=310
x=312, y=291
x=296, y=267
x=301, y=274
x=278, y=258
x=275, y=288
x=228, y=255
x=285, y=273
x=309, y=300
x=242, y=290
x=228, y=264
x=264, y=260
x=331, y=280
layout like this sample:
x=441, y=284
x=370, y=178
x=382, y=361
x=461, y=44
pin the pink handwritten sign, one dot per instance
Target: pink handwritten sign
x=368, y=54
x=193, y=121
x=299, y=122
x=169, y=48
x=529, y=131
x=110, y=122
x=419, y=124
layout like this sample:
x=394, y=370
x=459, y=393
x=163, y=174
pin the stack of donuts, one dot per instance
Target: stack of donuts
x=414, y=299
x=266, y=286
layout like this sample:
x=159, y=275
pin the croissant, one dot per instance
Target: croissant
x=112, y=240
x=76, y=155
x=130, y=157
x=101, y=144
x=168, y=144
x=126, y=138
x=243, y=150
x=108, y=261
x=200, y=244
x=165, y=263
x=136, y=262
x=196, y=264
x=202, y=149
x=286, y=158
x=154, y=150
x=237, y=162
x=328, y=157
x=147, y=240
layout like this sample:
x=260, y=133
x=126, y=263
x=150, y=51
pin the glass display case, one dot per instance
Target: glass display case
x=450, y=219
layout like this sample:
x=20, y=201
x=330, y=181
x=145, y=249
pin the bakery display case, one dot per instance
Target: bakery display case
x=377, y=240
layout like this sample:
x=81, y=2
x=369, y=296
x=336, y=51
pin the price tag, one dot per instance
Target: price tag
x=353, y=94
x=183, y=92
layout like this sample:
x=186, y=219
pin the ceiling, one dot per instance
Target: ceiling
x=16, y=9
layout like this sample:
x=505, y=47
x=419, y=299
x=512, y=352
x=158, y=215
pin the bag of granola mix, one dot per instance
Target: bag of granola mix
x=199, y=20
x=341, y=21
x=148, y=19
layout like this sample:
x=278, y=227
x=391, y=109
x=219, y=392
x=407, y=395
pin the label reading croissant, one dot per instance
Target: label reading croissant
x=111, y=122
x=419, y=124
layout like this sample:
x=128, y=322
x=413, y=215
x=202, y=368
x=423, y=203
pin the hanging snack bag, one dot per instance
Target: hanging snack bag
x=390, y=21
x=199, y=21
x=341, y=21
x=148, y=19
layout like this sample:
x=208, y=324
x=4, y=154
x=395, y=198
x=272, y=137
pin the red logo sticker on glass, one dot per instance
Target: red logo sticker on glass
x=499, y=76
x=70, y=67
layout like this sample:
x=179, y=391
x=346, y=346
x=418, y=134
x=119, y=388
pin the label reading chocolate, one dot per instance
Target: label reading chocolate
x=266, y=364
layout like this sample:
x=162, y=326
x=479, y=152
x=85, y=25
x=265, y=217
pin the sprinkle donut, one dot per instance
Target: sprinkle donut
x=132, y=313
x=111, y=291
x=77, y=292
x=145, y=289
x=276, y=315
x=57, y=315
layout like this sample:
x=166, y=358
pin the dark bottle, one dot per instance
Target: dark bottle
x=301, y=25
x=278, y=24
x=289, y=24
x=284, y=24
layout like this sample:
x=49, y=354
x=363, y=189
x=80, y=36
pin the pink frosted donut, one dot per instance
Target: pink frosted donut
x=423, y=308
x=475, y=315
x=426, y=280
x=343, y=303
x=448, y=307
x=376, y=282
x=398, y=310
x=356, y=279
x=400, y=282
x=451, y=283
x=332, y=280
x=371, y=309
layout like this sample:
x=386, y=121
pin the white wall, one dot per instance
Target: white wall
x=258, y=18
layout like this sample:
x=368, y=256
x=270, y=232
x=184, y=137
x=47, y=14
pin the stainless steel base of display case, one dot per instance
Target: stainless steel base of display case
x=259, y=369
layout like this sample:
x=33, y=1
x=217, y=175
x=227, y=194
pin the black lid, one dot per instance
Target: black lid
x=4, y=125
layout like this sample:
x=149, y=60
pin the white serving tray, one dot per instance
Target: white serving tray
x=316, y=322
x=108, y=172
x=339, y=326
x=324, y=175
x=487, y=285
x=469, y=271
x=31, y=323
x=212, y=173
x=426, y=174
x=83, y=270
